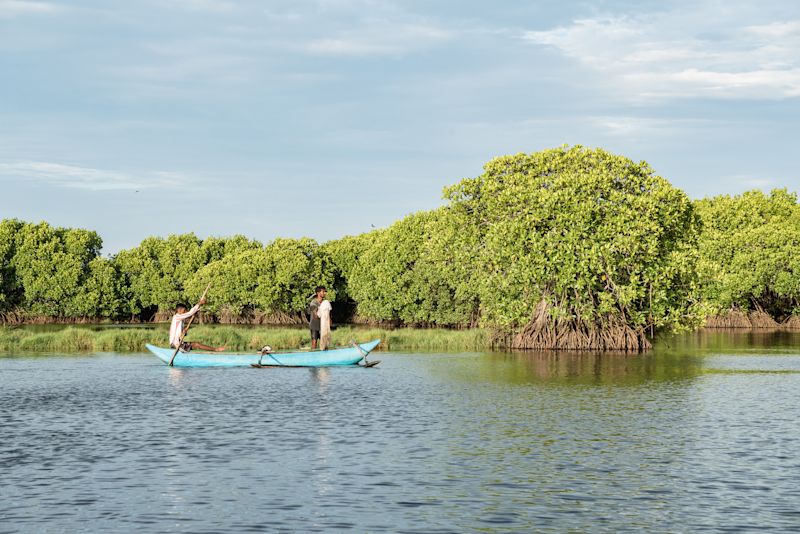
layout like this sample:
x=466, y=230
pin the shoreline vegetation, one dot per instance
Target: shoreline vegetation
x=90, y=338
x=568, y=248
x=235, y=338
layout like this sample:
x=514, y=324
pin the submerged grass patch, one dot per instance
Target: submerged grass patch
x=72, y=339
x=751, y=371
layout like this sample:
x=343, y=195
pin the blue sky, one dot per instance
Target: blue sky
x=324, y=118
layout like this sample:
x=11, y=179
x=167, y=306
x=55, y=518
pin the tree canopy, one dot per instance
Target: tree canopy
x=593, y=239
x=570, y=247
x=750, y=252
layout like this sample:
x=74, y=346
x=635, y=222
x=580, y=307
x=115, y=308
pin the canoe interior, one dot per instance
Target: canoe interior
x=313, y=358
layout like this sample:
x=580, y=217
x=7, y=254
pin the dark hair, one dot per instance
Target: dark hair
x=318, y=289
x=180, y=305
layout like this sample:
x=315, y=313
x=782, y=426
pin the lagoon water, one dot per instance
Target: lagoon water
x=701, y=434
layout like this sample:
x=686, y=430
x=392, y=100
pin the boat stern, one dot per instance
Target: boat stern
x=370, y=345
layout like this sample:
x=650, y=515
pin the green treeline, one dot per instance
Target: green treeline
x=566, y=248
x=749, y=264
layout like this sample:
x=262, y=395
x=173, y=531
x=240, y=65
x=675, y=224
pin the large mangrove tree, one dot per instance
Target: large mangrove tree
x=579, y=249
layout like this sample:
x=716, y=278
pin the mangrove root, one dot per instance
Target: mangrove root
x=737, y=319
x=792, y=323
x=545, y=332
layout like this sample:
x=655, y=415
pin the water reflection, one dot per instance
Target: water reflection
x=176, y=375
x=320, y=375
x=321, y=418
x=569, y=438
x=716, y=340
x=587, y=368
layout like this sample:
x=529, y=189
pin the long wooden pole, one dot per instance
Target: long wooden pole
x=186, y=329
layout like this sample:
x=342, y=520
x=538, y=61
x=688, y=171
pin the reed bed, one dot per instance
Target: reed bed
x=77, y=340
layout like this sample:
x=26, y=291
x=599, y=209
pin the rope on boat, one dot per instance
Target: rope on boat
x=266, y=349
x=363, y=353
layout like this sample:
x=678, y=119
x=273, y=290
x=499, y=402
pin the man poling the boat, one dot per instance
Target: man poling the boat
x=176, y=330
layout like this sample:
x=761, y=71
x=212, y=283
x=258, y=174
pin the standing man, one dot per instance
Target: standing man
x=313, y=317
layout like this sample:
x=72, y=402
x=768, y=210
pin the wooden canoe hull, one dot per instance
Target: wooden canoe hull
x=313, y=358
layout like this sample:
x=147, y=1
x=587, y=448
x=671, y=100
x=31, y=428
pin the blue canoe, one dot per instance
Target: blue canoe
x=312, y=358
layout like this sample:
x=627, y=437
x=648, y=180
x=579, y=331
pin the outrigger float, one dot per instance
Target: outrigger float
x=352, y=355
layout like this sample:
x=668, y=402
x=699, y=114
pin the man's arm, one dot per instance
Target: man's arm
x=195, y=309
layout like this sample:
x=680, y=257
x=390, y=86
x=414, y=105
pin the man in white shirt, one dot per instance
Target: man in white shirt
x=176, y=329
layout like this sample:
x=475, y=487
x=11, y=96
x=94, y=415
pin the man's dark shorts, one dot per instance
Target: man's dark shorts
x=186, y=346
x=314, y=334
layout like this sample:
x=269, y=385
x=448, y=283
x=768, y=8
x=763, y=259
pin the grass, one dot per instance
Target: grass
x=77, y=339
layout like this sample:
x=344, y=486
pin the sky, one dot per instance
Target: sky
x=325, y=118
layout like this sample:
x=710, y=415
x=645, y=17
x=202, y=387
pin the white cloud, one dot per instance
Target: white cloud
x=650, y=127
x=87, y=178
x=258, y=47
x=675, y=55
x=14, y=8
x=379, y=38
x=210, y=68
x=213, y=6
x=755, y=84
x=752, y=182
x=776, y=29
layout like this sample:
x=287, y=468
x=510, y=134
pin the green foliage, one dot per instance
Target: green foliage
x=280, y=277
x=216, y=248
x=157, y=269
x=52, y=267
x=102, y=295
x=57, y=272
x=344, y=255
x=10, y=289
x=157, y=273
x=750, y=252
x=411, y=273
x=597, y=236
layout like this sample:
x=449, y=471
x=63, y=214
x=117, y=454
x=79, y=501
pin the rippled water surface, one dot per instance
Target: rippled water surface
x=701, y=434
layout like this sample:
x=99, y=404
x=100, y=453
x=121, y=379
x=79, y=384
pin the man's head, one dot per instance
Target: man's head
x=180, y=308
x=321, y=291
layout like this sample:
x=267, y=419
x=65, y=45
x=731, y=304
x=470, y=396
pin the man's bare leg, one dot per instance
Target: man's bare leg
x=200, y=346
